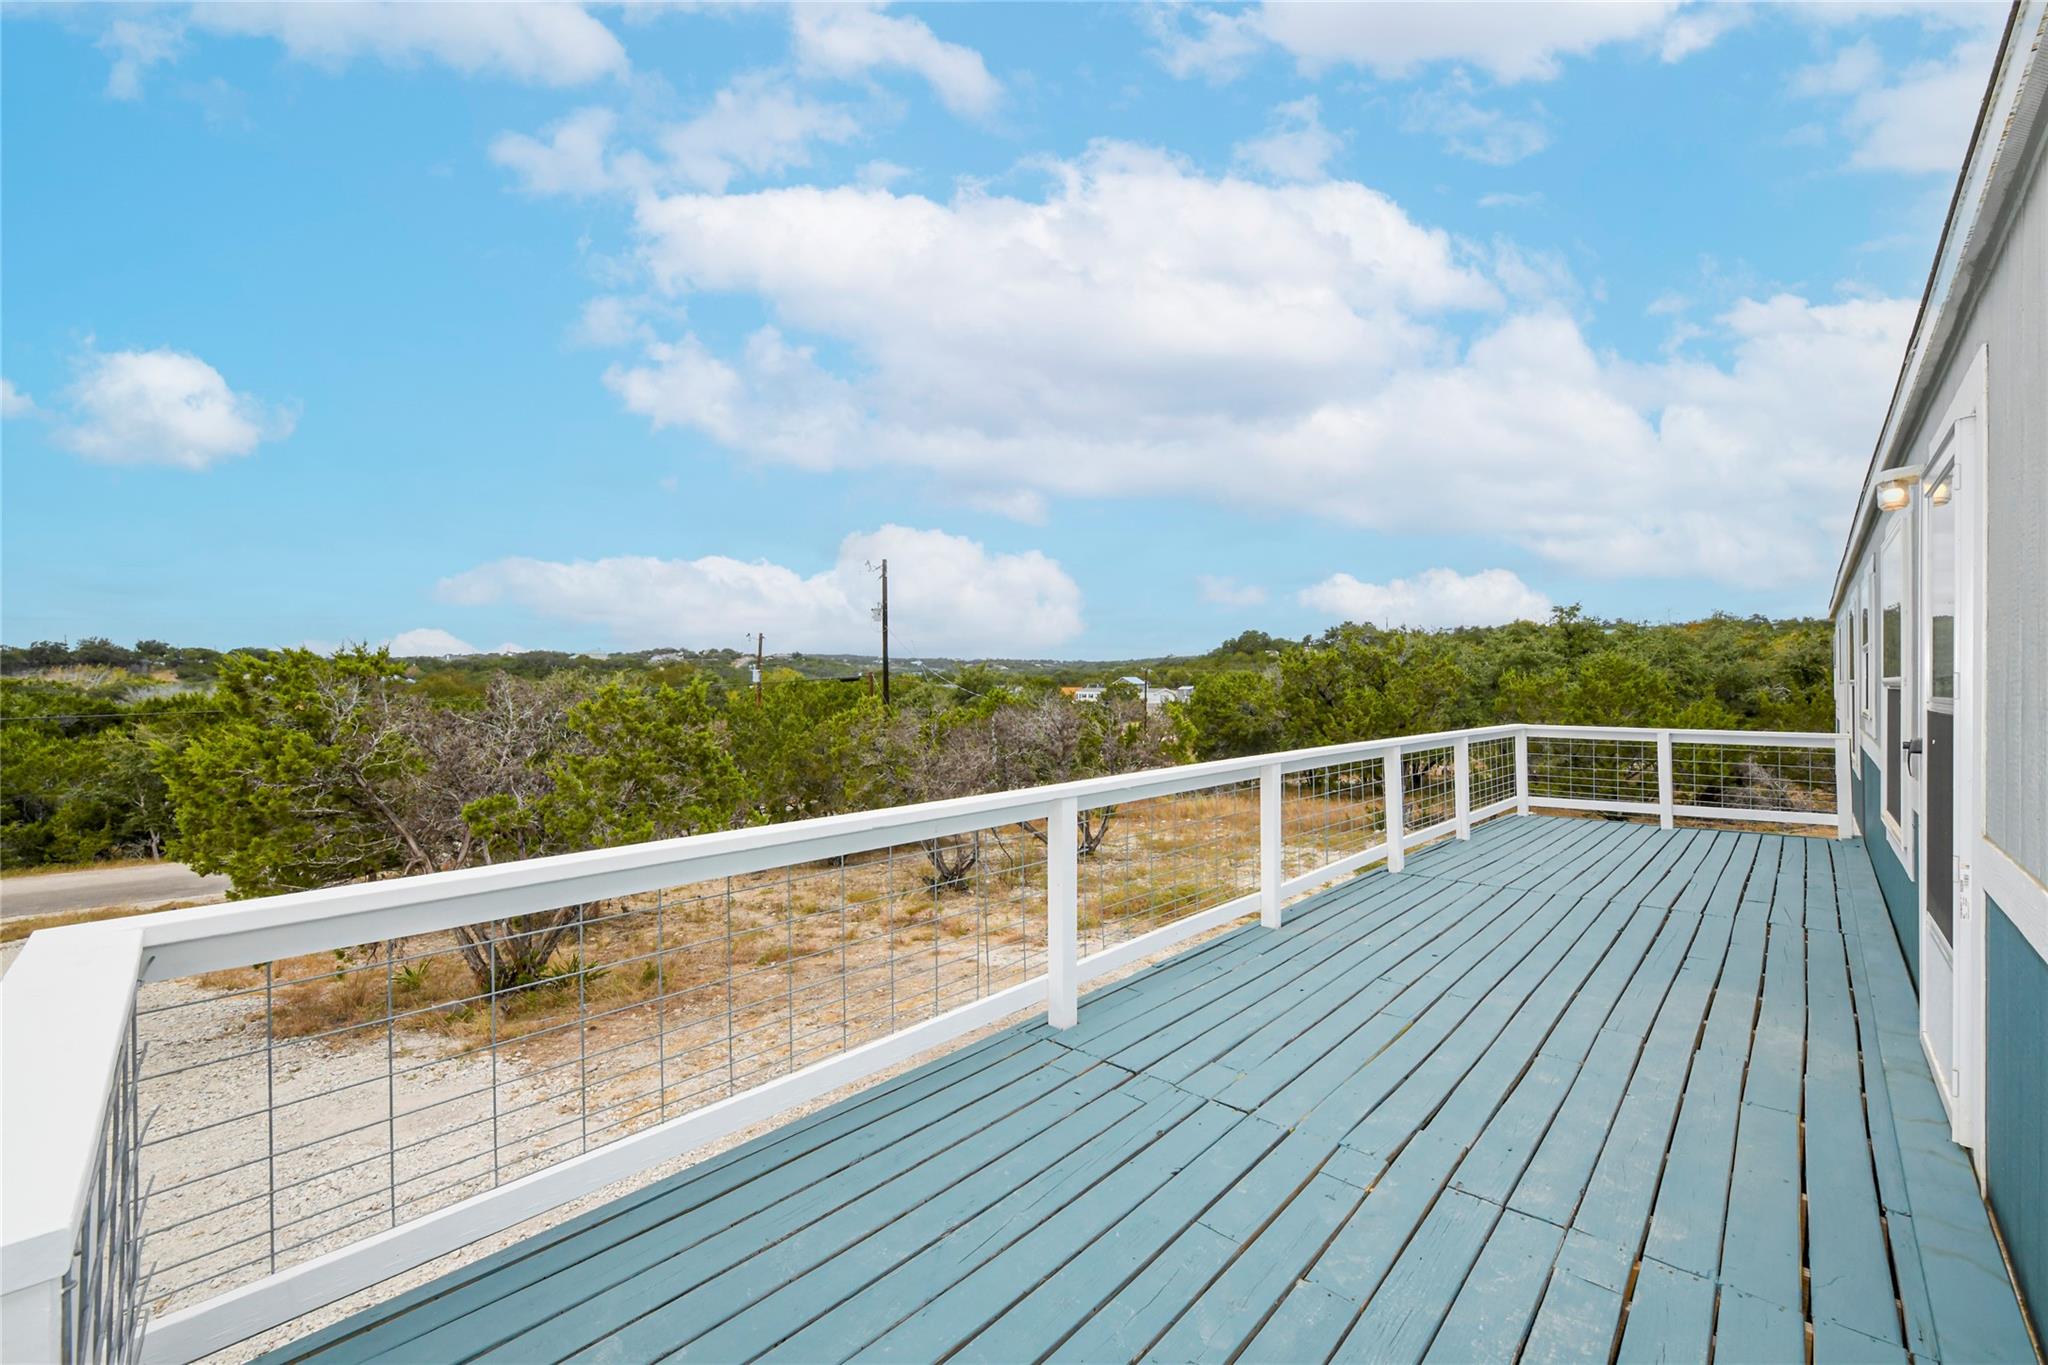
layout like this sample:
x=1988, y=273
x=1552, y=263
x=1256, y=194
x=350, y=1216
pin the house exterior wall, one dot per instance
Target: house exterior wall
x=2008, y=320
x=2007, y=324
x=2015, y=1098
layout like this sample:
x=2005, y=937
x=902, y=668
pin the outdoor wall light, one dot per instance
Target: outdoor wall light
x=1897, y=489
x=1940, y=493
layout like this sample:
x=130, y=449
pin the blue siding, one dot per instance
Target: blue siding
x=2016, y=1103
x=1901, y=897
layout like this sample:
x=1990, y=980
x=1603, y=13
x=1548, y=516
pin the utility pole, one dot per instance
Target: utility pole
x=885, y=634
x=757, y=668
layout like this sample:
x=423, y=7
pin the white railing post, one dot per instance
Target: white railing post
x=65, y=1010
x=1396, y=786
x=1062, y=909
x=1845, y=814
x=32, y=1321
x=1463, y=786
x=1271, y=837
x=1522, y=771
x=1666, y=783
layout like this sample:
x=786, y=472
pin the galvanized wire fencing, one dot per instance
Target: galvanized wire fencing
x=1710, y=777
x=306, y=1102
x=103, y=1290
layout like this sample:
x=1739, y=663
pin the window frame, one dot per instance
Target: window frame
x=1894, y=773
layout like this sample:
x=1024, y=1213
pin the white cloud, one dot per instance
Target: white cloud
x=1018, y=504
x=758, y=125
x=540, y=44
x=163, y=407
x=1309, y=349
x=1296, y=147
x=1505, y=200
x=1228, y=592
x=428, y=642
x=1697, y=27
x=881, y=174
x=1469, y=130
x=1509, y=42
x=1221, y=44
x=849, y=40
x=1432, y=598
x=15, y=403
x=1916, y=120
x=947, y=594
x=572, y=161
x=136, y=44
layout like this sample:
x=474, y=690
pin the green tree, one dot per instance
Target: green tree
x=1233, y=714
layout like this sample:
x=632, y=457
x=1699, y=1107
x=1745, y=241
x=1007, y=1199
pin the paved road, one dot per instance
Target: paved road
x=55, y=893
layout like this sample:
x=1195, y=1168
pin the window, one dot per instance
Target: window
x=1891, y=587
x=1941, y=596
x=1867, y=700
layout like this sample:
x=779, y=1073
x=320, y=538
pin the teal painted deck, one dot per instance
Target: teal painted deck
x=1572, y=1090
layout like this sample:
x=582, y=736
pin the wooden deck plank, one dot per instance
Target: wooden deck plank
x=1851, y=1278
x=1021, y=1302
x=848, y=1302
x=1363, y=1250
x=1542, y=1093
x=1670, y=1318
x=1555, y=1180
x=1232, y=1307
x=1493, y=1309
x=1581, y=1308
x=1480, y=1060
x=622, y=1280
x=1495, y=843
x=1148, y=1304
x=1404, y=1314
x=1500, y=1156
x=1493, y=866
x=1753, y=1331
x=842, y=1142
x=1356, y=991
x=1199, y=1035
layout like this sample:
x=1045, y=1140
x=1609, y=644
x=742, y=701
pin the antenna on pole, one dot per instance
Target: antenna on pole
x=757, y=667
x=885, y=634
x=881, y=614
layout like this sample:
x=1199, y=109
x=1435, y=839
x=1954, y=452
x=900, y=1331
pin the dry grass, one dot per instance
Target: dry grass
x=14, y=929
x=807, y=947
x=96, y=865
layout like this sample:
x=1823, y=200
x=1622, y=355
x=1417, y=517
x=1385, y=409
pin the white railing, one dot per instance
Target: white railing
x=343, y=1084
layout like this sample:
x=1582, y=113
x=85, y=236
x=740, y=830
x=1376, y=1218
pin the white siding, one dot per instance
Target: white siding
x=2011, y=320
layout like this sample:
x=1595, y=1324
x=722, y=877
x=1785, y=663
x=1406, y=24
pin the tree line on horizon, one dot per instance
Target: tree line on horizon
x=292, y=769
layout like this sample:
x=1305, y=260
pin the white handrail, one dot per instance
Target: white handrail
x=66, y=1004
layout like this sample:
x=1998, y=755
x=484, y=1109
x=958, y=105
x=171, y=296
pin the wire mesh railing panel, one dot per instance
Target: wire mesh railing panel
x=1731, y=775
x=1586, y=768
x=303, y=1104
x=1330, y=813
x=1429, y=786
x=1492, y=764
x=103, y=1289
x=1144, y=864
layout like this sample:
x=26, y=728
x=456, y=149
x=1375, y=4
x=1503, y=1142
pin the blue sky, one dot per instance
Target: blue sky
x=1115, y=329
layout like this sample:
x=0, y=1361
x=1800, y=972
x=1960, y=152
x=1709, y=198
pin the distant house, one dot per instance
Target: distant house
x=1154, y=696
